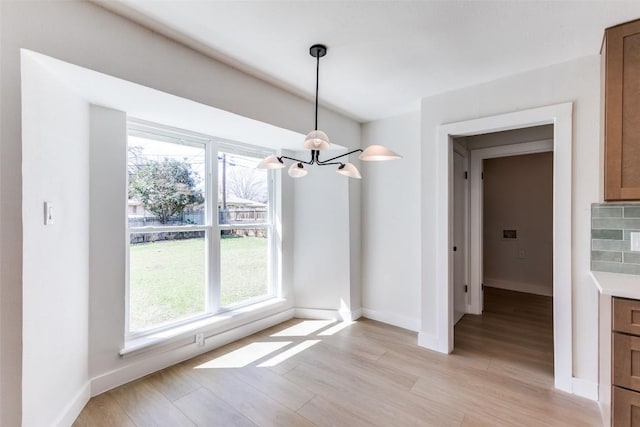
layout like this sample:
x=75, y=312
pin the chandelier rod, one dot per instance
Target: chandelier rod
x=317, y=79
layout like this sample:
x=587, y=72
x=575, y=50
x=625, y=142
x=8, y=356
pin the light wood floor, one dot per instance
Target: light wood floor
x=306, y=372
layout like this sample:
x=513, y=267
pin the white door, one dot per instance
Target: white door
x=459, y=262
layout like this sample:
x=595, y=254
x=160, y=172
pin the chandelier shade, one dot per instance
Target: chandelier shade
x=317, y=140
x=297, y=170
x=378, y=153
x=348, y=169
x=271, y=162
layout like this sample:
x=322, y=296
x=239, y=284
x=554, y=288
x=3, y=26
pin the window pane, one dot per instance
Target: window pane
x=166, y=277
x=243, y=191
x=166, y=183
x=244, y=268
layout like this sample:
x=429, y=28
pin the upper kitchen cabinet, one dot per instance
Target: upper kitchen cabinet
x=621, y=56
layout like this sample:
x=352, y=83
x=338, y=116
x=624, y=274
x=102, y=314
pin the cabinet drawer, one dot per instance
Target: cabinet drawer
x=626, y=316
x=626, y=361
x=625, y=408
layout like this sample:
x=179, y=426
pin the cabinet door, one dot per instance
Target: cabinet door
x=622, y=112
x=626, y=315
x=626, y=361
x=625, y=408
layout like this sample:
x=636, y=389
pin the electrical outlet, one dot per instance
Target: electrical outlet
x=200, y=340
x=521, y=254
x=635, y=241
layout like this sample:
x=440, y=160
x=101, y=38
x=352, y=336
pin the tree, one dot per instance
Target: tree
x=248, y=184
x=165, y=188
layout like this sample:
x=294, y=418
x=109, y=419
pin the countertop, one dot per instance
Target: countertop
x=617, y=284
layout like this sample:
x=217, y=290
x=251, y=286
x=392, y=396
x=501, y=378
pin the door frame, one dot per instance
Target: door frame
x=560, y=116
x=476, y=275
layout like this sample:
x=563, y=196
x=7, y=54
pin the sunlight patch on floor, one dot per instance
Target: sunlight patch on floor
x=244, y=355
x=335, y=329
x=297, y=337
x=304, y=328
x=288, y=353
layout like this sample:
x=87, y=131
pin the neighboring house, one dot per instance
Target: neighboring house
x=135, y=208
x=240, y=210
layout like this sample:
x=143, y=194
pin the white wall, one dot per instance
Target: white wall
x=321, y=252
x=55, y=276
x=355, y=241
x=577, y=81
x=518, y=194
x=18, y=367
x=84, y=34
x=108, y=153
x=391, y=252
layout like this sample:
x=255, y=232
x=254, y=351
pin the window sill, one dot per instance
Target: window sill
x=185, y=334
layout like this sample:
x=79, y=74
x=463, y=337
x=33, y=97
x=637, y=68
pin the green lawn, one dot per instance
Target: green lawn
x=167, y=277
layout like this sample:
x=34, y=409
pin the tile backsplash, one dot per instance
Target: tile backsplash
x=611, y=225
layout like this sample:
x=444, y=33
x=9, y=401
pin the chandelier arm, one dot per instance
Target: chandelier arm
x=296, y=160
x=359, y=150
x=330, y=163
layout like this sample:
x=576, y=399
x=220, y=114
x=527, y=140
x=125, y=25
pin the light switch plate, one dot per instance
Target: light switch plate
x=635, y=241
x=48, y=213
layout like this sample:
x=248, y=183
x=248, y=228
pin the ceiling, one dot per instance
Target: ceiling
x=383, y=56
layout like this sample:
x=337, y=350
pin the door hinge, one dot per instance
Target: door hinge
x=466, y=175
x=482, y=286
x=455, y=248
x=466, y=288
x=481, y=175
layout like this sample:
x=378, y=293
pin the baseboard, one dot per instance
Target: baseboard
x=530, y=288
x=584, y=388
x=158, y=361
x=400, y=321
x=74, y=407
x=605, y=413
x=429, y=341
x=327, y=314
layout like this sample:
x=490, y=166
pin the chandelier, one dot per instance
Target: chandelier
x=317, y=140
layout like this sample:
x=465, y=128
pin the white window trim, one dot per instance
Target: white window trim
x=211, y=325
x=136, y=341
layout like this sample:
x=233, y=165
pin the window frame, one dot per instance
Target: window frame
x=231, y=147
x=213, y=147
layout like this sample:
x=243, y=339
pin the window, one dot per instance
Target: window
x=189, y=259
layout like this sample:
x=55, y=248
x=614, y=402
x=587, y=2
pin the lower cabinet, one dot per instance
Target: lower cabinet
x=625, y=405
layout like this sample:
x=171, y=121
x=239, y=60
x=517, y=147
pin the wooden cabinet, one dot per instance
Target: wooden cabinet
x=626, y=407
x=621, y=56
x=626, y=363
x=626, y=355
x=626, y=316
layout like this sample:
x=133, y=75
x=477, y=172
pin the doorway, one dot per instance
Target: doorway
x=560, y=116
x=513, y=327
x=478, y=156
